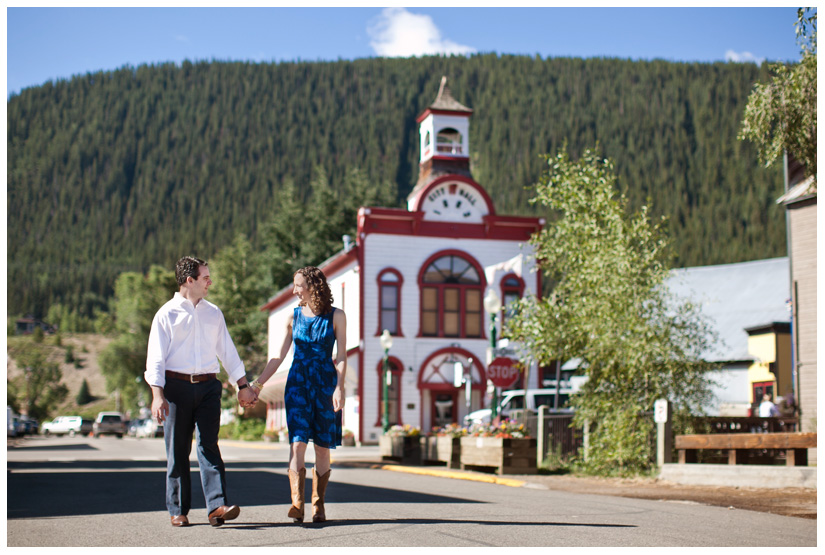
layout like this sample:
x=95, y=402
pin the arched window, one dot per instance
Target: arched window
x=389, y=301
x=393, y=391
x=448, y=141
x=512, y=289
x=451, y=292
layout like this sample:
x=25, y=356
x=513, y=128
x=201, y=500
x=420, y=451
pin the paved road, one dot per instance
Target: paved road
x=109, y=492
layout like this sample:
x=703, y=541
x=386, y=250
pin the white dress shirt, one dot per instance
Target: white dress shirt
x=190, y=339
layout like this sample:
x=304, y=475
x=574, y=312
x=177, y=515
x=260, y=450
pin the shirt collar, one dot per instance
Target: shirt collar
x=184, y=302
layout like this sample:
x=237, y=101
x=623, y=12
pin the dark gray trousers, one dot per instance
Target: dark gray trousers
x=193, y=408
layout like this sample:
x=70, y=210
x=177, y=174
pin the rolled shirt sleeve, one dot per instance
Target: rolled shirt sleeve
x=228, y=354
x=155, y=373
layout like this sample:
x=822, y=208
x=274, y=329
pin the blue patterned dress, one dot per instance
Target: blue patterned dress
x=311, y=382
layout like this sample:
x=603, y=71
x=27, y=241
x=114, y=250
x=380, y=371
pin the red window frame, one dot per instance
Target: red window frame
x=381, y=283
x=509, y=289
x=462, y=288
x=760, y=388
x=397, y=370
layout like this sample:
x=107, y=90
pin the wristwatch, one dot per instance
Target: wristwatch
x=244, y=386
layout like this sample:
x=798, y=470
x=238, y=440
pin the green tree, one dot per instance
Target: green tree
x=12, y=399
x=137, y=299
x=284, y=236
x=241, y=286
x=39, y=386
x=69, y=358
x=83, y=395
x=610, y=307
x=781, y=115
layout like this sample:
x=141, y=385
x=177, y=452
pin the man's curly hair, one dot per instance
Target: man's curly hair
x=188, y=266
x=318, y=288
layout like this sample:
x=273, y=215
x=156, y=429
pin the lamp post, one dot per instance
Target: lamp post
x=464, y=375
x=386, y=344
x=492, y=304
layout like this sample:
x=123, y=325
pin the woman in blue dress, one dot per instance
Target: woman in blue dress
x=314, y=393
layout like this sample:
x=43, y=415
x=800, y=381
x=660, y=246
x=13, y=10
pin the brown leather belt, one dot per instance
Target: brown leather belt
x=191, y=378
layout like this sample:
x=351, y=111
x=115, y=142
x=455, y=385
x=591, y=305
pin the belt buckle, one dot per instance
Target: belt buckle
x=192, y=378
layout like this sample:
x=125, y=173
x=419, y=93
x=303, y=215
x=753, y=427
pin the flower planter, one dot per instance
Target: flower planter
x=402, y=449
x=444, y=449
x=505, y=455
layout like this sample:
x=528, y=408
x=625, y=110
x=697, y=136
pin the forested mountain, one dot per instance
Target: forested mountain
x=115, y=171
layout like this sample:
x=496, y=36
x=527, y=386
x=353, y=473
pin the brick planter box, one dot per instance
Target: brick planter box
x=402, y=449
x=443, y=449
x=505, y=455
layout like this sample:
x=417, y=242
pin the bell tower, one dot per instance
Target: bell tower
x=444, y=129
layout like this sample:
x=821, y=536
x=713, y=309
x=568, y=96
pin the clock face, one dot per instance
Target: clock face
x=454, y=202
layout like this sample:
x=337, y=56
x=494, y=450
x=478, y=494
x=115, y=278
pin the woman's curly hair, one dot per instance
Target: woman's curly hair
x=318, y=287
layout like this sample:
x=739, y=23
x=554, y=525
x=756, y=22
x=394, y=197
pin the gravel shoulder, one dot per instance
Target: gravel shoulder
x=796, y=502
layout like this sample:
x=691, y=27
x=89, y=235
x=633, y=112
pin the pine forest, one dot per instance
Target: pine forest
x=119, y=170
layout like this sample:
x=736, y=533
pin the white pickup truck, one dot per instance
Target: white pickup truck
x=63, y=425
x=515, y=400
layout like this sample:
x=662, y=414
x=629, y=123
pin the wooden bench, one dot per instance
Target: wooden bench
x=795, y=445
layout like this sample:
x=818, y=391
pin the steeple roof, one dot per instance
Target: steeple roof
x=445, y=100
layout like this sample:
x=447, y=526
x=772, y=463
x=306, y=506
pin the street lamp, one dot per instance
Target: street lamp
x=386, y=344
x=492, y=304
x=464, y=375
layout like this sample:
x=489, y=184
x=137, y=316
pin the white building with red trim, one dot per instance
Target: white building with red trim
x=421, y=273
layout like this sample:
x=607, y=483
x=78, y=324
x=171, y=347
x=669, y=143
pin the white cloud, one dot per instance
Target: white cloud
x=399, y=33
x=181, y=38
x=742, y=57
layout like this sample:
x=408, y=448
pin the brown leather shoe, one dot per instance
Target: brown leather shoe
x=224, y=513
x=180, y=520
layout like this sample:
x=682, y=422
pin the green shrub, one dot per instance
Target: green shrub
x=244, y=429
x=557, y=463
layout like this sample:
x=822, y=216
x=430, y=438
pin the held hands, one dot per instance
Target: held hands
x=247, y=397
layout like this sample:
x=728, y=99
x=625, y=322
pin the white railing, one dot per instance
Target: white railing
x=449, y=149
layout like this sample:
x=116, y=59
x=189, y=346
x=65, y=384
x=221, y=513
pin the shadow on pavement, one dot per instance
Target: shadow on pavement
x=68, y=447
x=372, y=522
x=124, y=465
x=109, y=487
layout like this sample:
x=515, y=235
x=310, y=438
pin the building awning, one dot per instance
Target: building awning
x=803, y=190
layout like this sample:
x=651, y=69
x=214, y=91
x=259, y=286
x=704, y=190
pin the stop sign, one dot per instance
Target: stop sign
x=502, y=372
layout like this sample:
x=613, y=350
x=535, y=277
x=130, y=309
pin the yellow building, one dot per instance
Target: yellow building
x=770, y=372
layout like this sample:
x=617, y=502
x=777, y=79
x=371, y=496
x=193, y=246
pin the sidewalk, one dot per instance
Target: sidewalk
x=795, y=502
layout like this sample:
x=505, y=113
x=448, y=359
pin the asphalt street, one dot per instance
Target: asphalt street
x=77, y=492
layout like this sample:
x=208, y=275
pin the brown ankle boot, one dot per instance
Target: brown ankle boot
x=319, y=488
x=296, y=486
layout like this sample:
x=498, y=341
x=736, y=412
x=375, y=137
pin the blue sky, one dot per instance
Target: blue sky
x=55, y=43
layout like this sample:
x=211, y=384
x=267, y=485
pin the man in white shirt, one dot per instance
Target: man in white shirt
x=766, y=408
x=187, y=338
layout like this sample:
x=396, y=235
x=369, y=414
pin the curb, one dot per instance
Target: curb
x=452, y=474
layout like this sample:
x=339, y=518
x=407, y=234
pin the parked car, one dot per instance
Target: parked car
x=63, y=425
x=514, y=400
x=149, y=428
x=11, y=422
x=133, y=425
x=111, y=423
x=28, y=425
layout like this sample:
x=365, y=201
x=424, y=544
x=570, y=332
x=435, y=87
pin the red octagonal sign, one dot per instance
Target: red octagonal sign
x=503, y=372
